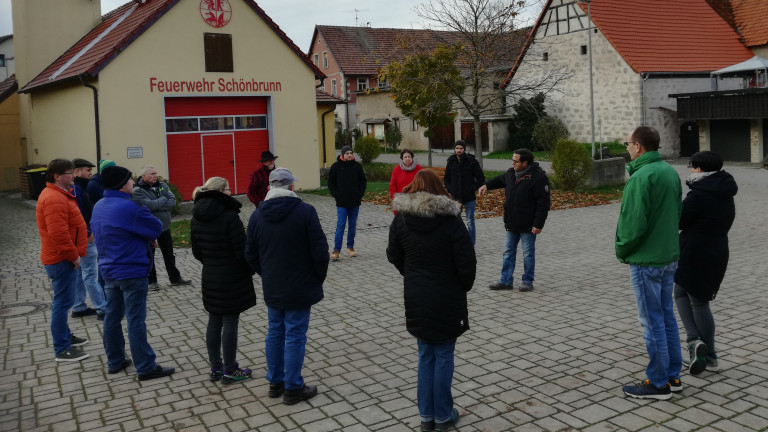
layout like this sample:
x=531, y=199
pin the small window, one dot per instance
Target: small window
x=218, y=52
x=181, y=125
x=362, y=83
x=414, y=125
x=216, y=123
x=325, y=60
x=583, y=49
x=317, y=59
x=545, y=56
x=251, y=122
x=2, y=60
x=333, y=87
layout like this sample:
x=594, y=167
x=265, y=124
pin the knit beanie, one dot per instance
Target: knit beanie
x=105, y=163
x=345, y=149
x=115, y=177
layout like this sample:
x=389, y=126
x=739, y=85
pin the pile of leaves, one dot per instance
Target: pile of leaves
x=492, y=203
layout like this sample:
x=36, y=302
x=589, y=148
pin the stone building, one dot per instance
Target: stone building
x=641, y=53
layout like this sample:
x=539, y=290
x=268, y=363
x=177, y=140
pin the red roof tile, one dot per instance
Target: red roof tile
x=8, y=87
x=364, y=50
x=117, y=30
x=751, y=17
x=668, y=36
x=323, y=97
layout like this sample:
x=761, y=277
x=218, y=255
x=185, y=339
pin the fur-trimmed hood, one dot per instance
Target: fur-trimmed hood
x=425, y=205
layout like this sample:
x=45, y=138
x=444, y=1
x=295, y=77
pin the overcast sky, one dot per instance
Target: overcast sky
x=297, y=18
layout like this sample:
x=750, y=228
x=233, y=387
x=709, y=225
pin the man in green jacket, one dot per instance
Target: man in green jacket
x=646, y=239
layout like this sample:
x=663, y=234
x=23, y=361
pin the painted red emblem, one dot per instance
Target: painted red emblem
x=216, y=13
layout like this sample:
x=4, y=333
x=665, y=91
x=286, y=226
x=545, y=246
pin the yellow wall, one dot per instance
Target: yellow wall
x=10, y=147
x=330, y=134
x=63, y=124
x=172, y=49
x=42, y=31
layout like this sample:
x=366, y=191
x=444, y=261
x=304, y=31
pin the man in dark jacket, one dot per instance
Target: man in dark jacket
x=526, y=206
x=286, y=246
x=346, y=181
x=124, y=232
x=89, y=268
x=158, y=198
x=95, y=189
x=463, y=176
x=259, y=179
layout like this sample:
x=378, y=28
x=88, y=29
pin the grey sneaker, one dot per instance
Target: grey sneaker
x=72, y=354
x=76, y=341
x=712, y=364
x=154, y=286
x=697, y=355
x=181, y=282
x=525, y=287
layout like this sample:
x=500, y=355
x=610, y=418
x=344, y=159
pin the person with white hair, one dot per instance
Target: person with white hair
x=158, y=198
x=286, y=246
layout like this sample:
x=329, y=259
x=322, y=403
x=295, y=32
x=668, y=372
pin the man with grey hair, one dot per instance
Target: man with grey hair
x=158, y=198
x=286, y=246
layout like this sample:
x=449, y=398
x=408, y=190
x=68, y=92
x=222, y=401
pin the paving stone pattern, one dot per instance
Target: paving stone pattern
x=550, y=360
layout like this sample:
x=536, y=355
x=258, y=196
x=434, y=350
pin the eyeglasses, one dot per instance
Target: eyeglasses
x=627, y=143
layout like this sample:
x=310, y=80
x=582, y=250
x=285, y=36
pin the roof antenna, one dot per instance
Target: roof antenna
x=357, y=11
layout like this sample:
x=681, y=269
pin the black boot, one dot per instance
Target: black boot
x=294, y=396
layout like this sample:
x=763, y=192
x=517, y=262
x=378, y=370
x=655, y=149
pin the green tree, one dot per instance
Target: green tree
x=393, y=137
x=421, y=87
x=547, y=132
x=528, y=112
x=368, y=148
x=486, y=37
x=571, y=163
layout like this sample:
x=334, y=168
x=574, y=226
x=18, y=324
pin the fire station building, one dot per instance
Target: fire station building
x=196, y=88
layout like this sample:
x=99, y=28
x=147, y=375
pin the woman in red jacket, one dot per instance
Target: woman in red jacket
x=403, y=173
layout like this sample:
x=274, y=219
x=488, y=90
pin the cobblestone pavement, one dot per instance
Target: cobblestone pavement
x=550, y=360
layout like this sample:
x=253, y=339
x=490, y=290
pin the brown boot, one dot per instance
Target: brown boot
x=351, y=252
x=335, y=256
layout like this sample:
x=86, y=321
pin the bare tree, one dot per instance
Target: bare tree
x=488, y=39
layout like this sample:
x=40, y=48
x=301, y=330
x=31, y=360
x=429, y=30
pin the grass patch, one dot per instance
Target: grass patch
x=371, y=187
x=181, y=233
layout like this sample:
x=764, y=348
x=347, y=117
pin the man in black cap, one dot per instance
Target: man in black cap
x=346, y=182
x=89, y=269
x=259, y=180
x=124, y=232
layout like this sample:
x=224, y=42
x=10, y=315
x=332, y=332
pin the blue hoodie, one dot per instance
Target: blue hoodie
x=123, y=231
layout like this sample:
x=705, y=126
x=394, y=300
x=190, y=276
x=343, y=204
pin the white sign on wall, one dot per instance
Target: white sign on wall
x=135, y=152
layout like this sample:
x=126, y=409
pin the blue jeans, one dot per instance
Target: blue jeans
x=127, y=298
x=342, y=215
x=655, y=306
x=89, y=281
x=64, y=281
x=286, y=341
x=469, y=209
x=510, y=255
x=434, y=386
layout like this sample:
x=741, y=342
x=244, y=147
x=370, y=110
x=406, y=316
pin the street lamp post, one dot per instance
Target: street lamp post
x=591, y=88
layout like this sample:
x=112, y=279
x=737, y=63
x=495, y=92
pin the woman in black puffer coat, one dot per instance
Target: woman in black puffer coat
x=430, y=246
x=707, y=215
x=218, y=242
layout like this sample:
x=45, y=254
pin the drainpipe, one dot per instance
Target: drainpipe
x=643, y=77
x=322, y=119
x=95, y=116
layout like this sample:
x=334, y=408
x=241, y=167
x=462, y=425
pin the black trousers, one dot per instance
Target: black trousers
x=165, y=242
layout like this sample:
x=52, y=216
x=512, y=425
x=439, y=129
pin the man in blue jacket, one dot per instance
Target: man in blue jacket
x=124, y=233
x=286, y=246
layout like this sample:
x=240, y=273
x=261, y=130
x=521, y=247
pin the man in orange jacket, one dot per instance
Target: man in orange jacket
x=63, y=238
